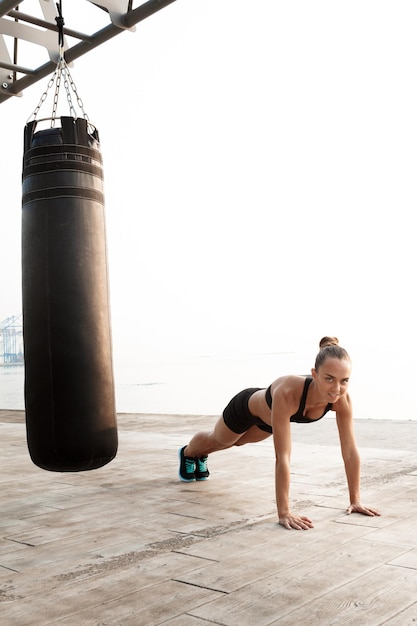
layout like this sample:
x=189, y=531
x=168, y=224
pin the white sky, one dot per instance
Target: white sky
x=260, y=168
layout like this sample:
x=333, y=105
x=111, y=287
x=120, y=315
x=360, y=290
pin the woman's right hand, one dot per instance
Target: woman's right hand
x=298, y=522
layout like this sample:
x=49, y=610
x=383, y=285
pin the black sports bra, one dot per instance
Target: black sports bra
x=299, y=416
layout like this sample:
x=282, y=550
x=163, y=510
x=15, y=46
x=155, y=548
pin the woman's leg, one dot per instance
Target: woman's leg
x=252, y=435
x=204, y=443
x=221, y=438
x=193, y=458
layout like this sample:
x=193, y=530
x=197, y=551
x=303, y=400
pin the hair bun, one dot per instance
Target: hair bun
x=328, y=341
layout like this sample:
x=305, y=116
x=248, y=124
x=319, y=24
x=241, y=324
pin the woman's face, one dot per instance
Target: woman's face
x=332, y=378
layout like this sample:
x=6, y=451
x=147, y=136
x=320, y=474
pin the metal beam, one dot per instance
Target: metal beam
x=7, y=5
x=23, y=17
x=145, y=10
x=127, y=20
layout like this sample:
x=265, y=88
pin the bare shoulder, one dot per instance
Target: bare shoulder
x=290, y=382
x=286, y=390
x=343, y=407
x=344, y=420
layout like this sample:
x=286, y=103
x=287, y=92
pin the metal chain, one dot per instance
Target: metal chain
x=69, y=82
x=56, y=94
x=44, y=96
x=61, y=73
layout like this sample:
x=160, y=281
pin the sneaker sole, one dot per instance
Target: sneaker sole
x=184, y=480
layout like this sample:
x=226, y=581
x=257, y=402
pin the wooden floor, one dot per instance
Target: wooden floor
x=129, y=544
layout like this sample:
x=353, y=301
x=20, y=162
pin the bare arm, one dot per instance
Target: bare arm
x=281, y=412
x=282, y=443
x=351, y=457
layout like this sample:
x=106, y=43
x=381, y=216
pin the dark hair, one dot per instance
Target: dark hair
x=330, y=349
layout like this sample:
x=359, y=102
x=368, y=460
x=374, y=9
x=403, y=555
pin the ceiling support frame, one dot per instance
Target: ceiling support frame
x=88, y=42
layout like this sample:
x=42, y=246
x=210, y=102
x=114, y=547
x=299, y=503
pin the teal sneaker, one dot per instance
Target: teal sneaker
x=201, y=469
x=186, y=470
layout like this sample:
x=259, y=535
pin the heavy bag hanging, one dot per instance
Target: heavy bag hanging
x=69, y=387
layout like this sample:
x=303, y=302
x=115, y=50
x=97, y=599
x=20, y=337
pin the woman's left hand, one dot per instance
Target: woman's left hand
x=357, y=507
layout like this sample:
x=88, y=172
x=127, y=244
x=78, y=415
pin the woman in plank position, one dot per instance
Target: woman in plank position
x=254, y=414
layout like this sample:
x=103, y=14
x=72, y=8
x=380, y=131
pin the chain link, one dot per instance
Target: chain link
x=61, y=74
x=44, y=96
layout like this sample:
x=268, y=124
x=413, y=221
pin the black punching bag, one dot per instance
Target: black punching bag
x=69, y=387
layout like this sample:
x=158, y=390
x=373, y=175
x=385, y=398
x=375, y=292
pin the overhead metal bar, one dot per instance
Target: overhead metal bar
x=23, y=17
x=12, y=87
x=7, y=5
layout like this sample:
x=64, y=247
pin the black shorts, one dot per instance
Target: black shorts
x=237, y=416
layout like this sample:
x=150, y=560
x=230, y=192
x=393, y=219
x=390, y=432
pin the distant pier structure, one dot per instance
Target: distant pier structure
x=11, y=341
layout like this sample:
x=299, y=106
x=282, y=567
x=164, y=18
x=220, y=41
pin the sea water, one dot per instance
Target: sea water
x=203, y=385
x=199, y=385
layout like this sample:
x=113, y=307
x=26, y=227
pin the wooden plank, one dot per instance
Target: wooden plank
x=408, y=559
x=89, y=584
x=266, y=537
x=407, y=617
x=370, y=599
x=128, y=598
x=286, y=589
